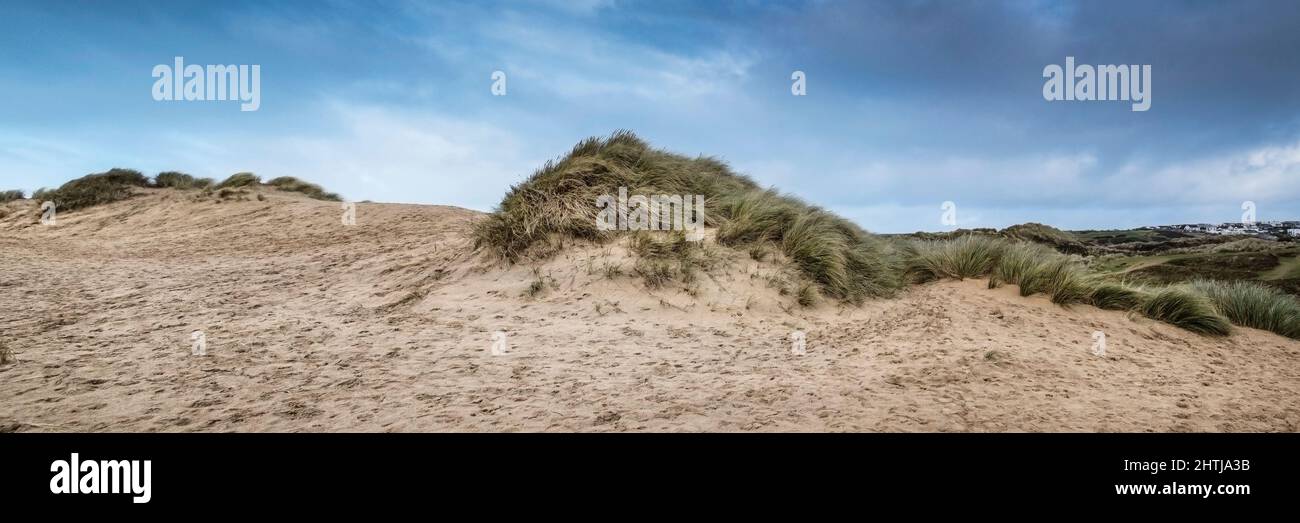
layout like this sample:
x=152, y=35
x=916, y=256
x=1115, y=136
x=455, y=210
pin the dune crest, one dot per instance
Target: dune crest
x=389, y=324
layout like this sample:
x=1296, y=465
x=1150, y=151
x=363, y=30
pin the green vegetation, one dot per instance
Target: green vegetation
x=289, y=183
x=94, y=189
x=1116, y=296
x=1186, y=308
x=832, y=257
x=558, y=201
x=969, y=256
x=239, y=180
x=1043, y=234
x=118, y=184
x=1038, y=269
x=1254, y=305
x=178, y=180
x=9, y=196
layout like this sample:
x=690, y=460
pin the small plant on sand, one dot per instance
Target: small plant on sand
x=540, y=284
x=1184, y=307
x=612, y=270
x=655, y=273
x=289, y=183
x=6, y=354
x=1251, y=304
x=807, y=295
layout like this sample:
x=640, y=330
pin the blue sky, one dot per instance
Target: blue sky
x=908, y=105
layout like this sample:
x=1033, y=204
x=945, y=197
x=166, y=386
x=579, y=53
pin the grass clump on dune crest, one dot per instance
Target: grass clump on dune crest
x=9, y=196
x=289, y=183
x=94, y=189
x=179, y=180
x=969, y=256
x=559, y=201
x=1251, y=304
x=239, y=180
x=1184, y=307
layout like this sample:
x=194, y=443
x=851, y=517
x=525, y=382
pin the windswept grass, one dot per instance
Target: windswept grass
x=1018, y=260
x=1038, y=269
x=559, y=200
x=1061, y=278
x=833, y=257
x=94, y=189
x=1183, y=307
x=9, y=196
x=178, y=180
x=1251, y=304
x=239, y=180
x=289, y=183
x=969, y=256
x=1116, y=296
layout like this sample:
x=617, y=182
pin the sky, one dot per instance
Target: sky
x=907, y=104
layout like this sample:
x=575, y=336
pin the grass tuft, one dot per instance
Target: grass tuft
x=239, y=180
x=1184, y=307
x=289, y=183
x=1115, y=296
x=969, y=256
x=178, y=180
x=1251, y=304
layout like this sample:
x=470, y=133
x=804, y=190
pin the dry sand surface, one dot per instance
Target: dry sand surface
x=387, y=325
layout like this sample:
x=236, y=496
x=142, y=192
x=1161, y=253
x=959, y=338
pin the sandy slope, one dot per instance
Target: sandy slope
x=387, y=325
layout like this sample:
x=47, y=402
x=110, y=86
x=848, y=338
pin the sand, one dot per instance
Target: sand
x=388, y=325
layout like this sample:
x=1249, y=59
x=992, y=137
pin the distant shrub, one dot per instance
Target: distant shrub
x=94, y=189
x=179, y=180
x=1047, y=235
x=289, y=183
x=1251, y=304
x=9, y=196
x=239, y=180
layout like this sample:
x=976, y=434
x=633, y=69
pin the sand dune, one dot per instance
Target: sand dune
x=387, y=325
